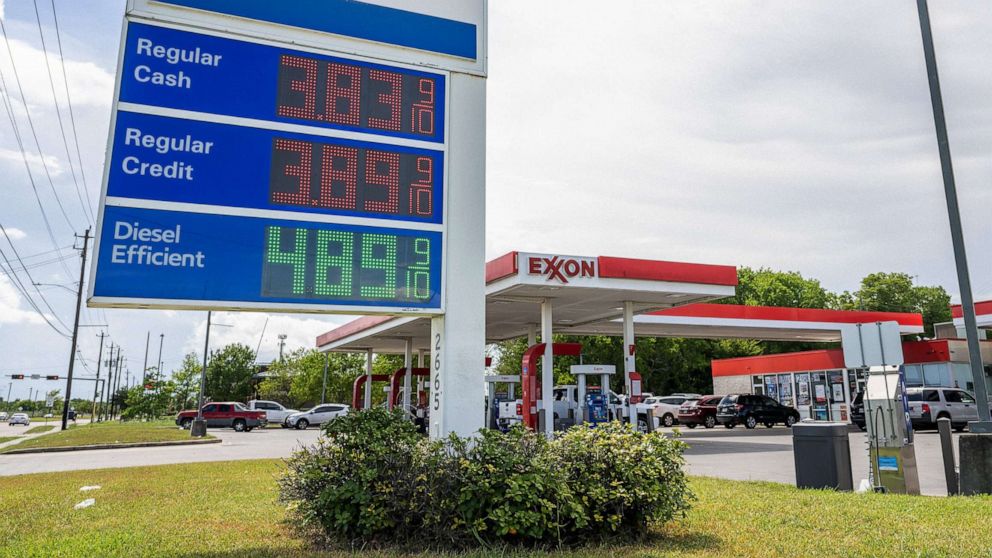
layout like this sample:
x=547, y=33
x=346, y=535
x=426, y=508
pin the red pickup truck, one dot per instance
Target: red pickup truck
x=225, y=415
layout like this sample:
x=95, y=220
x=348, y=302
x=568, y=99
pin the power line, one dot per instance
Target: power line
x=58, y=114
x=72, y=115
x=18, y=283
x=34, y=133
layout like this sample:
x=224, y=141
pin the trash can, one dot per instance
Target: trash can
x=823, y=455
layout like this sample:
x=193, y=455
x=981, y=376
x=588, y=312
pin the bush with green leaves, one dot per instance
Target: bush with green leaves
x=373, y=480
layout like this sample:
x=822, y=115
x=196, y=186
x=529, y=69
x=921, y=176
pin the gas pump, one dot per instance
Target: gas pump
x=593, y=406
x=891, y=453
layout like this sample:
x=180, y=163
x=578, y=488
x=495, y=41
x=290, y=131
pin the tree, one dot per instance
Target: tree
x=896, y=292
x=186, y=383
x=229, y=373
x=765, y=287
x=298, y=379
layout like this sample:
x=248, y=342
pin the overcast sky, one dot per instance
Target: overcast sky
x=792, y=135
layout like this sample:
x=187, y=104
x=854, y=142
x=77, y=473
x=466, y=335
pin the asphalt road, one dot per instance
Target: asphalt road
x=760, y=454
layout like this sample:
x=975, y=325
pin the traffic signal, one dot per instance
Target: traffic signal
x=17, y=376
x=51, y=377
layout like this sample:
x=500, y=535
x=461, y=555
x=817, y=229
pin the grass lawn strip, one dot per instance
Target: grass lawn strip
x=39, y=429
x=103, y=433
x=230, y=509
x=5, y=439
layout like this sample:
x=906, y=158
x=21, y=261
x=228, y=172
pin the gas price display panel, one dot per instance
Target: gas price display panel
x=251, y=176
x=191, y=256
x=204, y=73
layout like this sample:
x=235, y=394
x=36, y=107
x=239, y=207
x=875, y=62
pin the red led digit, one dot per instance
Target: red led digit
x=422, y=191
x=308, y=87
x=393, y=99
x=423, y=110
x=301, y=171
x=389, y=178
x=329, y=174
x=344, y=85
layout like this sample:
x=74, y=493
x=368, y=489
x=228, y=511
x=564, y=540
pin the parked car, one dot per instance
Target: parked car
x=19, y=418
x=47, y=415
x=694, y=412
x=751, y=410
x=665, y=410
x=225, y=414
x=858, y=410
x=926, y=405
x=3, y=416
x=275, y=413
x=316, y=416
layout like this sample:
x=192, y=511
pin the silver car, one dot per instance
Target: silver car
x=19, y=418
x=926, y=405
x=318, y=415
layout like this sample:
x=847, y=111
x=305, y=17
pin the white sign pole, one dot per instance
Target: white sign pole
x=458, y=338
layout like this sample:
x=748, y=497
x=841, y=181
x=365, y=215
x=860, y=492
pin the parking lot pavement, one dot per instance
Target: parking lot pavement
x=739, y=454
x=766, y=455
x=258, y=444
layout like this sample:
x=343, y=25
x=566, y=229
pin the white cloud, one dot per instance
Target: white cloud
x=90, y=85
x=10, y=305
x=53, y=163
x=16, y=234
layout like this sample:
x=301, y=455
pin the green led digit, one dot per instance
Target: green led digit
x=387, y=263
x=325, y=262
x=296, y=258
x=418, y=276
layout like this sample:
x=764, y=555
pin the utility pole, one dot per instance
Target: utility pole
x=114, y=399
x=158, y=369
x=106, y=385
x=984, y=423
x=282, y=343
x=144, y=369
x=96, y=384
x=199, y=427
x=75, y=331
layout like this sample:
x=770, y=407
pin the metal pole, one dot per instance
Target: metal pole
x=199, y=427
x=984, y=423
x=323, y=387
x=75, y=332
x=947, y=450
x=96, y=384
x=115, y=396
x=158, y=368
x=144, y=369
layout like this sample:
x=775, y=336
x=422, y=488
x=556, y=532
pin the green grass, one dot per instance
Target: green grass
x=39, y=429
x=107, y=433
x=227, y=510
x=5, y=439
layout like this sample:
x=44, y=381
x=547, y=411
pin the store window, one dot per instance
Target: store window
x=802, y=390
x=758, y=385
x=937, y=375
x=785, y=389
x=914, y=375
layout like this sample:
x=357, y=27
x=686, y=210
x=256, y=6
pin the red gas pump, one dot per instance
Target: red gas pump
x=529, y=377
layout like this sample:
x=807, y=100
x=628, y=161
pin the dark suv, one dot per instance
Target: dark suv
x=752, y=410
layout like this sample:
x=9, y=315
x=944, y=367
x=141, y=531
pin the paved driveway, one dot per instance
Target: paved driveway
x=760, y=454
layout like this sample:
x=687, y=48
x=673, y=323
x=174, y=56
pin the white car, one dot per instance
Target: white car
x=275, y=413
x=665, y=410
x=3, y=416
x=318, y=415
x=19, y=418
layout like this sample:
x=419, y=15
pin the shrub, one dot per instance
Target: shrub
x=374, y=480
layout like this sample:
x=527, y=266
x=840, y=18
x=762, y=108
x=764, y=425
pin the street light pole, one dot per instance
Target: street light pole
x=144, y=369
x=158, y=369
x=199, y=427
x=75, y=332
x=323, y=387
x=984, y=423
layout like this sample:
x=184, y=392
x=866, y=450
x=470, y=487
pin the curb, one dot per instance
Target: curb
x=114, y=446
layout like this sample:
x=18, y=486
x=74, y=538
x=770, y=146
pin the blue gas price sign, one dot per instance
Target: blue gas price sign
x=246, y=262
x=245, y=175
